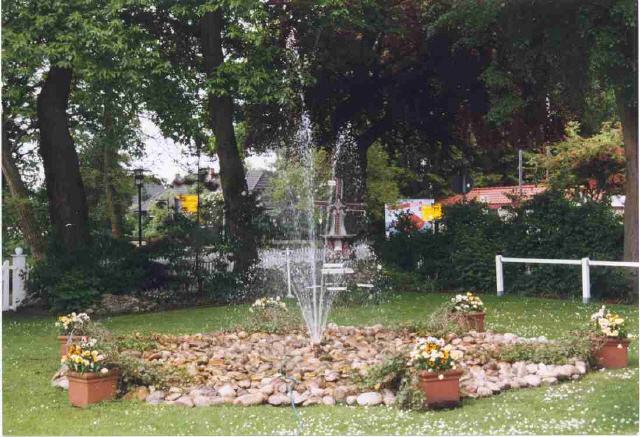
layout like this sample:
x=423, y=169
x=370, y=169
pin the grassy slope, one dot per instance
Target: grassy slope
x=602, y=402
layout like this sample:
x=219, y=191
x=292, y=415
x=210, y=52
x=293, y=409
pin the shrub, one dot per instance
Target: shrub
x=462, y=255
x=272, y=316
x=555, y=352
x=368, y=285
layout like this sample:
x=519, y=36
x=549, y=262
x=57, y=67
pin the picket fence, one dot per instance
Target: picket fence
x=14, y=278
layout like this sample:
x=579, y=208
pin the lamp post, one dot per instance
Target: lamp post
x=138, y=176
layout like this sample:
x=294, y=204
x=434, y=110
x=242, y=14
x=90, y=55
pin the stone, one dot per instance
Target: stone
x=369, y=399
x=173, y=396
x=340, y=393
x=185, y=400
x=484, y=391
x=249, y=399
x=278, y=399
x=61, y=382
x=565, y=371
x=245, y=383
x=226, y=391
x=201, y=401
x=351, y=400
x=532, y=380
x=331, y=376
x=532, y=368
x=549, y=380
x=328, y=400
x=267, y=390
x=581, y=367
x=157, y=395
x=388, y=398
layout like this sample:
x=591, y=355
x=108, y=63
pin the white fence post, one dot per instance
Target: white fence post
x=499, y=276
x=586, y=281
x=289, y=295
x=6, y=271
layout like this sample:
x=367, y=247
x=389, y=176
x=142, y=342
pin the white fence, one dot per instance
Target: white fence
x=585, y=263
x=14, y=277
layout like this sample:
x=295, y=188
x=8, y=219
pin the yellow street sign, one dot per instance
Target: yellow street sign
x=188, y=202
x=431, y=212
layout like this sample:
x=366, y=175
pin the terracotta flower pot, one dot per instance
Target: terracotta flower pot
x=90, y=388
x=474, y=321
x=613, y=354
x=63, y=339
x=442, y=389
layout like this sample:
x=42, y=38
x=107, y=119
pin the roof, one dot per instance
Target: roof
x=257, y=179
x=496, y=197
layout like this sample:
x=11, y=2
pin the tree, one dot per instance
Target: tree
x=51, y=47
x=550, y=60
x=224, y=58
x=588, y=168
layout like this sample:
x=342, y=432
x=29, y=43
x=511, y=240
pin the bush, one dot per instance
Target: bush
x=72, y=281
x=462, y=255
x=374, y=288
x=556, y=352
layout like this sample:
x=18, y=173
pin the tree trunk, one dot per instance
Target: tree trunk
x=65, y=191
x=28, y=223
x=629, y=117
x=232, y=176
x=109, y=160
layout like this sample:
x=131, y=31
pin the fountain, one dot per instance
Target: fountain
x=318, y=271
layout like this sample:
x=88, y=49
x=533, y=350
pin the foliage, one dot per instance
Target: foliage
x=388, y=374
x=441, y=322
x=383, y=182
x=75, y=280
x=555, y=352
x=271, y=315
x=462, y=254
x=591, y=168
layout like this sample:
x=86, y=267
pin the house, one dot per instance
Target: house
x=497, y=198
x=152, y=192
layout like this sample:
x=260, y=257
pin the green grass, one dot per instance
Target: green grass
x=603, y=402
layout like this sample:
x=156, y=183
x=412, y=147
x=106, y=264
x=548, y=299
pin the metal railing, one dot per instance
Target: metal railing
x=584, y=262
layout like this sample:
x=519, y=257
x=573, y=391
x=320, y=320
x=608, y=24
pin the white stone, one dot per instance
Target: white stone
x=351, y=400
x=226, y=391
x=369, y=399
x=185, y=400
x=328, y=400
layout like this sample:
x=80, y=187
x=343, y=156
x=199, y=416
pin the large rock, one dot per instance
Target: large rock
x=156, y=397
x=369, y=399
x=278, y=399
x=250, y=399
x=185, y=400
x=532, y=380
x=202, y=401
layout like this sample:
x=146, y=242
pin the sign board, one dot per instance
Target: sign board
x=423, y=212
x=188, y=202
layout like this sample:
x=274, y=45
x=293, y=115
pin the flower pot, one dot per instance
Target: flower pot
x=90, y=388
x=474, y=321
x=442, y=389
x=613, y=353
x=63, y=339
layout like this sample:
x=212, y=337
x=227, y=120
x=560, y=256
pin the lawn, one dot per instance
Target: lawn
x=603, y=402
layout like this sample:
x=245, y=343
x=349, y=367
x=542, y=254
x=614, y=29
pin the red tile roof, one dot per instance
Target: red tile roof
x=496, y=197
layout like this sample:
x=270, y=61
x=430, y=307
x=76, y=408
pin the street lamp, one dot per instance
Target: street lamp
x=138, y=176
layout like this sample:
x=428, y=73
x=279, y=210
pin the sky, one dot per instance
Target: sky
x=165, y=158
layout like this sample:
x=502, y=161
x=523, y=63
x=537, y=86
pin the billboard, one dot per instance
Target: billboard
x=188, y=202
x=423, y=212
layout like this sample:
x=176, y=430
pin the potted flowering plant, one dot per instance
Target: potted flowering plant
x=470, y=309
x=90, y=380
x=436, y=363
x=612, y=341
x=71, y=328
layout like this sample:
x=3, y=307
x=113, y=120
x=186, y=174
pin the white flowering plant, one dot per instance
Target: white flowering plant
x=434, y=355
x=609, y=324
x=266, y=303
x=73, y=324
x=271, y=315
x=85, y=357
x=467, y=303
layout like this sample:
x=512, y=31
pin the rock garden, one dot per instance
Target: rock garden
x=365, y=366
